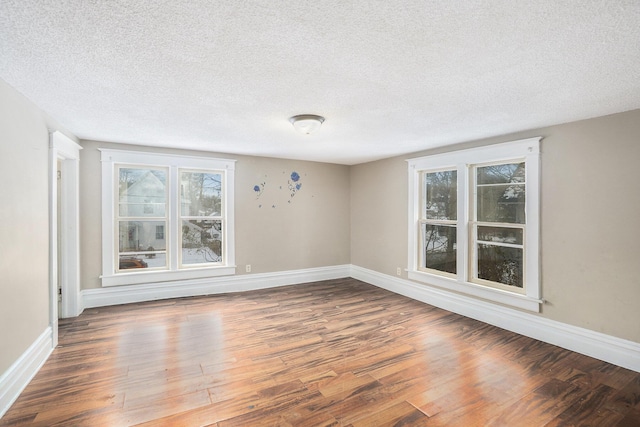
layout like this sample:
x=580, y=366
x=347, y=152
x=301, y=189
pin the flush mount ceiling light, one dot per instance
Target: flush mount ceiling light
x=306, y=123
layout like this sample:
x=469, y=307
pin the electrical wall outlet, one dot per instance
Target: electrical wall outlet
x=399, y=271
x=248, y=268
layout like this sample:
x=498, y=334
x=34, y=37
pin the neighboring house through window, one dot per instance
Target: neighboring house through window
x=475, y=222
x=166, y=217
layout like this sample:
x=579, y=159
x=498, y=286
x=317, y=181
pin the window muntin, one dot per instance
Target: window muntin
x=142, y=208
x=202, y=223
x=438, y=222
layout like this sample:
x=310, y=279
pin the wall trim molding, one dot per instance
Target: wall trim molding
x=18, y=376
x=601, y=346
x=115, y=295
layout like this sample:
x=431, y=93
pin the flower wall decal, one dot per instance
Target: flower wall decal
x=294, y=184
x=259, y=189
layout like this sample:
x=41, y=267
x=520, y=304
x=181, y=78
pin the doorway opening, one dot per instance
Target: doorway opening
x=64, y=242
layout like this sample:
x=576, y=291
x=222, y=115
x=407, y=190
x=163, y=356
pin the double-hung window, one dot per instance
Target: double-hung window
x=165, y=217
x=474, y=222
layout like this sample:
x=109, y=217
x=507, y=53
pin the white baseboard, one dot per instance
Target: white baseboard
x=16, y=378
x=604, y=347
x=115, y=295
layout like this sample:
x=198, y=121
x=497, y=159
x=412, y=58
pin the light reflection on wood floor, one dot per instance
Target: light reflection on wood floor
x=334, y=353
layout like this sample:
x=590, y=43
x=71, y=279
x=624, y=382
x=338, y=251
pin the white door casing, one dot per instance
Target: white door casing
x=66, y=151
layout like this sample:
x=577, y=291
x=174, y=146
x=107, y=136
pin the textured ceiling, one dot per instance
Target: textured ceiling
x=391, y=77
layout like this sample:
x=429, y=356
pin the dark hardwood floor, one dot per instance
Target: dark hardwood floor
x=334, y=353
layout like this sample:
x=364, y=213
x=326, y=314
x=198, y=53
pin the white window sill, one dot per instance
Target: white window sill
x=140, y=277
x=495, y=295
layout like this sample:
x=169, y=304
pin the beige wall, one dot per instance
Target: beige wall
x=275, y=232
x=590, y=211
x=24, y=215
x=379, y=215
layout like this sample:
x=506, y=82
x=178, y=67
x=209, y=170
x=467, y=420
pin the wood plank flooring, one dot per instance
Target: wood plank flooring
x=333, y=353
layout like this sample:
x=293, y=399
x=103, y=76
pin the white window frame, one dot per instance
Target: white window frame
x=527, y=150
x=110, y=158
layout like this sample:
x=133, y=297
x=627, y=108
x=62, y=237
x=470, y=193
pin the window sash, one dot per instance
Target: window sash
x=424, y=261
x=474, y=241
x=144, y=224
x=451, y=211
x=424, y=193
x=206, y=252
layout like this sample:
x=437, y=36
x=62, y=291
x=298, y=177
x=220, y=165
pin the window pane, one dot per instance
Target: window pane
x=440, y=247
x=201, y=241
x=200, y=194
x=500, y=264
x=142, y=260
x=502, y=203
x=159, y=232
x=441, y=195
x=500, y=234
x=141, y=192
x=138, y=236
x=501, y=174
